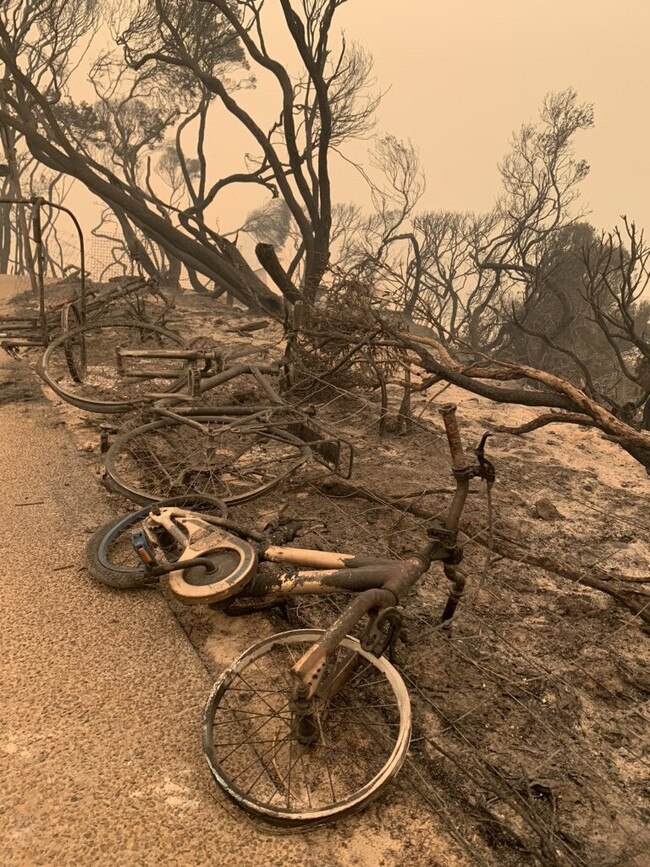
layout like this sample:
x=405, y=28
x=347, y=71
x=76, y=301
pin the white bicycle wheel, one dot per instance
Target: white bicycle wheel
x=363, y=732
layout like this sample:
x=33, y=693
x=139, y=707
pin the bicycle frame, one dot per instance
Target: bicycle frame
x=379, y=583
x=335, y=453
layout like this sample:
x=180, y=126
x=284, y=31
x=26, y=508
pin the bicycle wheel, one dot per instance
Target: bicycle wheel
x=171, y=457
x=73, y=347
x=110, y=557
x=253, y=754
x=134, y=298
x=102, y=388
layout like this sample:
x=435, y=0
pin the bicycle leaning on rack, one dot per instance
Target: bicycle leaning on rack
x=308, y=724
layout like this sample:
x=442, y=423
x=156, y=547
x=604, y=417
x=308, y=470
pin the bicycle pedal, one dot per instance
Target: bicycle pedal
x=143, y=549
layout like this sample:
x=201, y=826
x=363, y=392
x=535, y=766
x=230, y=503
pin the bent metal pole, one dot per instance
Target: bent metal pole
x=37, y=203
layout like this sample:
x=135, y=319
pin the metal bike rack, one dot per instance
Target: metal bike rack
x=18, y=331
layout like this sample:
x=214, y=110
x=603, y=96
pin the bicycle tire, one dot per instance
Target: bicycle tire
x=71, y=321
x=98, y=303
x=380, y=736
x=124, y=570
x=135, y=462
x=56, y=379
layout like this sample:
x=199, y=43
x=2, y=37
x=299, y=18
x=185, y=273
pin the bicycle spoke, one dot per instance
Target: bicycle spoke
x=247, y=741
x=260, y=751
x=168, y=456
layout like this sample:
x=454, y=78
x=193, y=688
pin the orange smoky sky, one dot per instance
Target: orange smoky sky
x=461, y=76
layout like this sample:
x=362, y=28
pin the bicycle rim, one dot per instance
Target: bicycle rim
x=170, y=457
x=363, y=733
x=101, y=388
x=73, y=347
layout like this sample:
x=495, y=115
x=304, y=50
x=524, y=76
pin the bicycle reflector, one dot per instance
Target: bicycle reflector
x=143, y=549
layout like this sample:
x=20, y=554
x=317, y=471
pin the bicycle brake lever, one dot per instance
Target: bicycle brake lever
x=486, y=469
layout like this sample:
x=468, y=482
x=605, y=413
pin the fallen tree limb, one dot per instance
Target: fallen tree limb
x=635, y=601
x=558, y=393
x=342, y=490
x=545, y=419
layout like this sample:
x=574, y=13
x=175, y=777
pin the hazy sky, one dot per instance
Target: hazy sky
x=462, y=76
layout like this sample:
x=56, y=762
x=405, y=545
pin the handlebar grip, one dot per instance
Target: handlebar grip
x=458, y=459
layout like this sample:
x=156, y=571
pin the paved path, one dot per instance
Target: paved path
x=101, y=693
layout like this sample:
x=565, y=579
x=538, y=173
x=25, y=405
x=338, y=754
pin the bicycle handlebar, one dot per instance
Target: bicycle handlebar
x=461, y=467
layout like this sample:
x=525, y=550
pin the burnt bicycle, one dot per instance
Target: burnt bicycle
x=188, y=444
x=309, y=724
